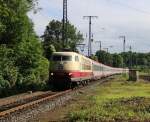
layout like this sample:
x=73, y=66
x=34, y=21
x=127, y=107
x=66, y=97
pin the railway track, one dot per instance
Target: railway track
x=10, y=111
x=24, y=100
x=25, y=109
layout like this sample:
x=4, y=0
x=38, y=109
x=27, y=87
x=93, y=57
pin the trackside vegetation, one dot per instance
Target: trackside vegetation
x=118, y=100
x=140, y=61
x=22, y=64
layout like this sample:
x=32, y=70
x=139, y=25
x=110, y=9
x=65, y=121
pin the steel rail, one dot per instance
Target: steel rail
x=23, y=100
x=31, y=103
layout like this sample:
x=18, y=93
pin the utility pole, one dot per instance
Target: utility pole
x=100, y=45
x=124, y=43
x=89, y=43
x=65, y=22
x=130, y=57
x=106, y=50
x=124, y=48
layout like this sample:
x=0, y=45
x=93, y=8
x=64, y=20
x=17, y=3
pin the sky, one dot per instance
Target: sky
x=130, y=18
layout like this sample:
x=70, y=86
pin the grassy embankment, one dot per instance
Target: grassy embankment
x=114, y=101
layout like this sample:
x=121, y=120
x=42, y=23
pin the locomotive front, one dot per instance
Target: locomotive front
x=62, y=66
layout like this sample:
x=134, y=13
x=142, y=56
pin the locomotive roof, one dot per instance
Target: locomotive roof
x=64, y=53
x=69, y=53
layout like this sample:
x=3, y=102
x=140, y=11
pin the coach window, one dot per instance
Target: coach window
x=76, y=58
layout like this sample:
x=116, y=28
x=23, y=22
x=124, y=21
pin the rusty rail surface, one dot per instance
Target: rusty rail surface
x=23, y=100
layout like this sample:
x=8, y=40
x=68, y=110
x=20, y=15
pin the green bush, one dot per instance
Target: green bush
x=31, y=64
x=8, y=70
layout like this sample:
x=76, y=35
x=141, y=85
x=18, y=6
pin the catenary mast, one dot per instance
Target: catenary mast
x=65, y=22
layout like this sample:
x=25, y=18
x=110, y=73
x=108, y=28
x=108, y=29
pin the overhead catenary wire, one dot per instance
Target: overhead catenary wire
x=130, y=7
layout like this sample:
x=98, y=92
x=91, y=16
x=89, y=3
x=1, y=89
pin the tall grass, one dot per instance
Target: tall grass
x=118, y=100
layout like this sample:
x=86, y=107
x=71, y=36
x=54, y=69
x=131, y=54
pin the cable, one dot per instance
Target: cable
x=130, y=7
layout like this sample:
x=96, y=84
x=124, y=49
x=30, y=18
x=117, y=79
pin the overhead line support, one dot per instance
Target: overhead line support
x=89, y=43
x=65, y=23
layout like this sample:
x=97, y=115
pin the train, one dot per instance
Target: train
x=69, y=69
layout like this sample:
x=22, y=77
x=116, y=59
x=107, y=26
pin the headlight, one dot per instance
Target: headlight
x=70, y=74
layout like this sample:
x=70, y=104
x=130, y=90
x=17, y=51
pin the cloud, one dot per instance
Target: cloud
x=130, y=18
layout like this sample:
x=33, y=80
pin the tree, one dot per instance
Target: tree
x=53, y=38
x=104, y=57
x=94, y=57
x=8, y=72
x=21, y=54
x=140, y=61
x=117, y=60
x=14, y=21
x=30, y=62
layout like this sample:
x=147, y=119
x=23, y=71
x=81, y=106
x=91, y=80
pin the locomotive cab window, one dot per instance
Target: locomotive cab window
x=56, y=58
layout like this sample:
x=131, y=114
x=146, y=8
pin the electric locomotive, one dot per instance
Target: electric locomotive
x=69, y=68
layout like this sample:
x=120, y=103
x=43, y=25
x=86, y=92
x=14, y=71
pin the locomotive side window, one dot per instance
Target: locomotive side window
x=66, y=58
x=76, y=58
x=86, y=64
